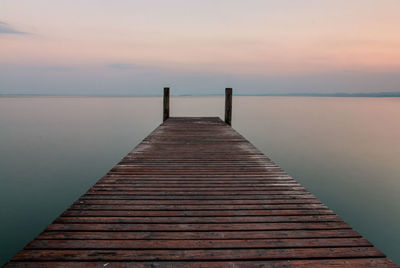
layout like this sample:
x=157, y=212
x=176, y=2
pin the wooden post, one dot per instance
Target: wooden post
x=228, y=106
x=166, y=104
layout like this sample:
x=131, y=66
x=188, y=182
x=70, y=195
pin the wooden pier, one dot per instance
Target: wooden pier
x=195, y=193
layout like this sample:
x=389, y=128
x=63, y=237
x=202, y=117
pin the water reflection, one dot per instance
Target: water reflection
x=344, y=150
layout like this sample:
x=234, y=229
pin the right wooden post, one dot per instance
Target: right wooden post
x=166, y=104
x=228, y=106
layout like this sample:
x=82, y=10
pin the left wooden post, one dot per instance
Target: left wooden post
x=166, y=104
x=228, y=106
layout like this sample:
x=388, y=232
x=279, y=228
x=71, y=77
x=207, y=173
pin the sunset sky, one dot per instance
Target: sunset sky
x=121, y=47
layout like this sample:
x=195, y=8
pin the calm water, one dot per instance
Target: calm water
x=344, y=150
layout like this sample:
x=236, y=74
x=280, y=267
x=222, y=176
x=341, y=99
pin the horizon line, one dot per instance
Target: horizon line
x=303, y=94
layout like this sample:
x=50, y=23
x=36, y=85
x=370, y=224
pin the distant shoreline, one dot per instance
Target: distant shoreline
x=337, y=95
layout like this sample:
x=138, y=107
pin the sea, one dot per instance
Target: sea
x=346, y=151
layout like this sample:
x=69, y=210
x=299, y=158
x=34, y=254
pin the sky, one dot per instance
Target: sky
x=121, y=47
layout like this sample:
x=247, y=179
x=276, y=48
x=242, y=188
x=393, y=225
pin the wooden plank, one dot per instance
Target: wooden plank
x=196, y=227
x=198, y=244
x=354, y=263
x=195, y=193
x=200, y=202
x=195, y=197
x=200, y=254
x=190, y=219
x=197, y=189
x=193, y=213
x=81, y=206
x=181, y=235
x=181, y=192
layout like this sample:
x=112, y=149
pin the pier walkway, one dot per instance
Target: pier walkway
x=195, y=193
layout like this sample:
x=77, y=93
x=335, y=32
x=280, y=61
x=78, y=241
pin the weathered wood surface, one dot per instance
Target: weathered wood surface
x=195, y=193
x=166, y=104
x=228, y=106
